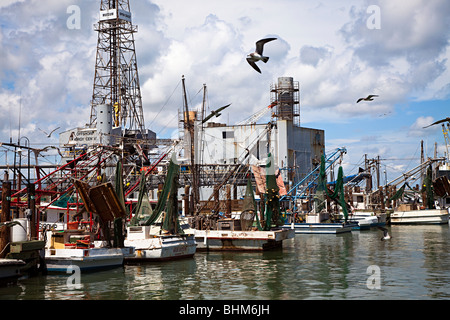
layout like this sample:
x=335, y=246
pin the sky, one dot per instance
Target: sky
x=338, y=51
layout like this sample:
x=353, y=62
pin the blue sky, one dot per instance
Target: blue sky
x=334, y=49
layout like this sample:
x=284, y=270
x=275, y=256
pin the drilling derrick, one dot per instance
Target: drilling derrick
x=116, y=80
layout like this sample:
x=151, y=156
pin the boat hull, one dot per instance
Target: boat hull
x=162, y=248
x=365, y=223
x=434, y=216
x=228, y=240
x=320, y=228
x=365, y=220
x=91, y=259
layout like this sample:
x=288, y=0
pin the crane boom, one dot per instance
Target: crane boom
x=258, y=115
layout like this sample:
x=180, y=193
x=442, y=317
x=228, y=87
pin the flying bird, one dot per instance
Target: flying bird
x=48, y=134
x=368, y=98
x=385, y=114
x=215, y=113
x=49, y=147
x=253, y=57
x=437, y=122
x=386, y=235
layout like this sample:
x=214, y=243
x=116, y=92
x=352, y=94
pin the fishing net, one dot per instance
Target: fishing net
x=338, y=192
x=167, y=204
x=143, y=211
x=63, y=200
x=428, y=188
x=171, y=223
x=272, y=198
x=399, y=193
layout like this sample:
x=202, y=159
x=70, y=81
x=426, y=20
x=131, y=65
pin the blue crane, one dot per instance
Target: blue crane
x=298, y=191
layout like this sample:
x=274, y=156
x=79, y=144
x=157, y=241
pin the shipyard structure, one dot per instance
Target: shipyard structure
x=216, y=159
x=212, y=155
x=296, y=150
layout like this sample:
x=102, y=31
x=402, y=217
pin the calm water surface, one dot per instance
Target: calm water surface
x=414, y=264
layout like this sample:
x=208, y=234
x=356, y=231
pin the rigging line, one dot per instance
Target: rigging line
x=358, y=164
x=167, y=124
x=400, y=159
x=409, y=163
x=393, y=168
x=165, y=104
x=191, y=99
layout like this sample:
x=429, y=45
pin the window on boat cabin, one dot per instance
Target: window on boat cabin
x=359, y=199
x=61, y=217
x=447, y=200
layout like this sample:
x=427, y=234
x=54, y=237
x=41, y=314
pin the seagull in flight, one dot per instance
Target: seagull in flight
x=215, y=113
x=437, y=122
x=368, y=98
x=253, y=57
x=48, y=134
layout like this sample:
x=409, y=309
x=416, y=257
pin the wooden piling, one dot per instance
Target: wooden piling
x=187, y=209
x=32, y=207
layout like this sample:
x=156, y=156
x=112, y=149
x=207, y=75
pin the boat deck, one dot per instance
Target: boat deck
x=234, y=240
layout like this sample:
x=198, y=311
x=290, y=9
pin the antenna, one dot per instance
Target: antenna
x=20, y=115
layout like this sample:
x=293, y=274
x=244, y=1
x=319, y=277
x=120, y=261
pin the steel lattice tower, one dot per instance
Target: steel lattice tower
x=116, y=80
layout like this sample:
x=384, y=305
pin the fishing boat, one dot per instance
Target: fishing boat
x=425, y=216
x=152, y=246
x=320, y=224
x=69, y=243
x=368, y=219
x=223, y=240
x=60, y=255
x=424, y=208
x=320, y=220
x=247, y=231
x=27, y=253
x=157, y=234
x=362, y=211
x=93, y=245
x=364, y=222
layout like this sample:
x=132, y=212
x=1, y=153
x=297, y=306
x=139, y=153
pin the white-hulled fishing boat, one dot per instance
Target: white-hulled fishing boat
x=74, y=248
x=367, y=219
x=150, y=245
x=426, y=216
x=433, y=210
x=80, y=246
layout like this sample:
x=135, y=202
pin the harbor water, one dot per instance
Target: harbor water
x=413, y=264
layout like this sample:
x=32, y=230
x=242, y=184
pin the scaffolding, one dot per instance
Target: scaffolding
x=285, y=95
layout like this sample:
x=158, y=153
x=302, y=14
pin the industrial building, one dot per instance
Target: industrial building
x=296, y=150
